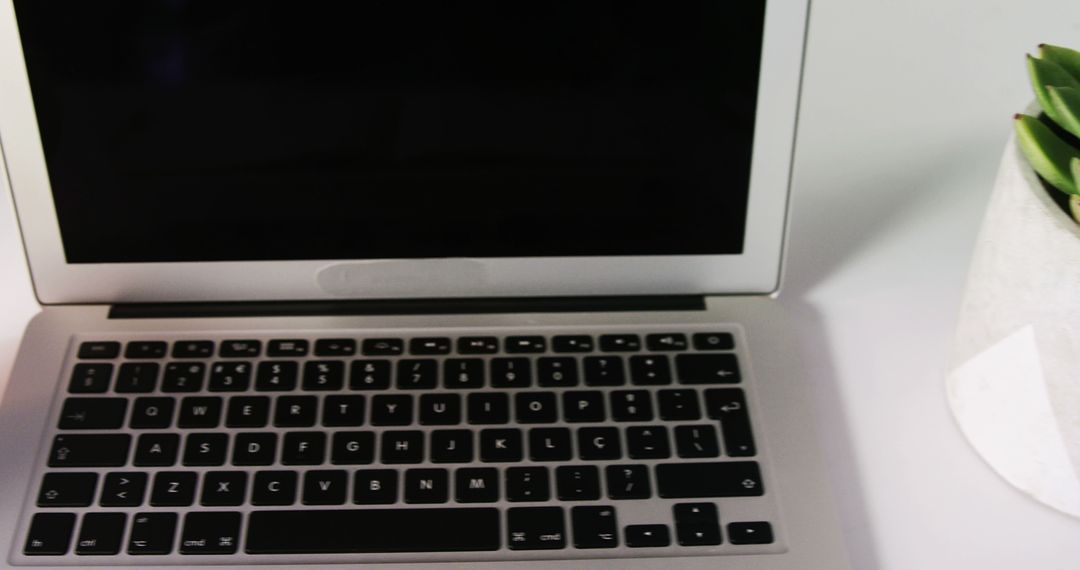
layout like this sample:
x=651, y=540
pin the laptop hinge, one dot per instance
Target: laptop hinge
x=462, y=306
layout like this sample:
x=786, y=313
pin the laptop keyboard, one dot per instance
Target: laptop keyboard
x=474, y=447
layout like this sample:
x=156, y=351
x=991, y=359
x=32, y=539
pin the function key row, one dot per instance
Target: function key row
x=99, y=350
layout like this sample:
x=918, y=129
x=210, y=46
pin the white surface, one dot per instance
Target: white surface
x=905, y=113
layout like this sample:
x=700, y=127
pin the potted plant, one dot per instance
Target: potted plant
x=1014, y=382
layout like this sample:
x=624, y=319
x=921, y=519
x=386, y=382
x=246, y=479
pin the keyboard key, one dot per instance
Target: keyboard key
x=631, y=406
x=205, y=449
x=627, y=482
x=440, y=409
x=577, y=483
x=500, y=445
x=750, y=532
x=586, y=406
x=183, y=377
x=666, y=341
x=157, y=450
x=90, y=378
x=325, y=487
x=696, y=441
x=696, y=513
x=476, y=485
x=381, y=530
x=123, y=489
x=152, y=533
x=714, y=341
x=93, y=413
x=97, y=450
x=729, y=406
x=375, y=487
x=335, y=347
x=556, y=372
x=223, y=488
x=478, y=345
x=248, y=412
x=137, y=349
x=726, y=479
x=647, y=442
x=152, y=413
x=598, y=443
x=339, y=411
x=679, y=405
x=199, y=412
x=230, y=377
x=525, y=344
x=67, y=490
x=369, y=375
x=620, y=343
x=240, y=349
x=595, y=527
x=303, y=448
x=417, y=374
x=193, y=349
x=604, y=371
x=276, y=376
x=707, y=368
x=101, y=533
x=535, y=528
x=572, y=343
x=99, y=349
x=647, y=535
x=289, y=347
x=137, y=377
x=352, y=448
x=527, y=484
x=650, y=370
x=395, y=410
x=324, y=375
x=697, y=524
x=254, y=449
x=463, y=373
x=549, y=444
x=210, y=533
x=383, y=346
x=295, y=411
x=50, y=534
x=488, y=408
x=402, y=446
x=429, y=345
x=274, y=488
x=510, y=373
x=535, y=407
x=173, y=489
x=451, y=446
x=426, y=486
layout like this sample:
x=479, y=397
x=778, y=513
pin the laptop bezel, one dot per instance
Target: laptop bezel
x=755, y=271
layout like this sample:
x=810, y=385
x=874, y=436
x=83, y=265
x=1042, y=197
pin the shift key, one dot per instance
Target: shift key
x=96, y=450
x=719, y=479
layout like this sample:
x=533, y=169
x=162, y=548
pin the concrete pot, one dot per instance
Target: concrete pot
x=1014, y=385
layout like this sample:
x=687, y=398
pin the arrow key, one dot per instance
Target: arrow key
x=759, y=532
x=123, y=490
x=152, y=533
x=646, y=535
x=698, y=534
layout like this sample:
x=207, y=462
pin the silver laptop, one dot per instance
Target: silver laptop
x=406, y=282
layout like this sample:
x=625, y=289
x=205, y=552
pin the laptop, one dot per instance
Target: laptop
x=404, y=282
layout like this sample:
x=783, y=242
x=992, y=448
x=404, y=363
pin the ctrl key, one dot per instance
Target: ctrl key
x=535, y=528
x=50, y=534
x=210, y=533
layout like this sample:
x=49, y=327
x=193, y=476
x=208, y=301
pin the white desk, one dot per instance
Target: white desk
x=905, y=112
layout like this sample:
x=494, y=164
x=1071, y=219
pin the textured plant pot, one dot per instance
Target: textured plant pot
x=1014, y=385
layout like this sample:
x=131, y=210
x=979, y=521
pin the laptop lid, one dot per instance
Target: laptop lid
x=198, y=151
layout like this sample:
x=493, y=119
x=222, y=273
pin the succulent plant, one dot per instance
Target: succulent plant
x=1052, y=147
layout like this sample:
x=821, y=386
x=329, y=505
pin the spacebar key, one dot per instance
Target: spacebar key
x=372, y=530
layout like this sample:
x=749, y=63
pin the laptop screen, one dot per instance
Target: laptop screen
x=232, y=131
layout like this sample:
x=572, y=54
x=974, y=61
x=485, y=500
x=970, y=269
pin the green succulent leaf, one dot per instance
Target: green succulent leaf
x=1044, y=73
x=1074, y=200
x=1066, y=104
x=1050, y=156
x=1067, y=59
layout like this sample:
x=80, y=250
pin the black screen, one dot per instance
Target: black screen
x=215, y=130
